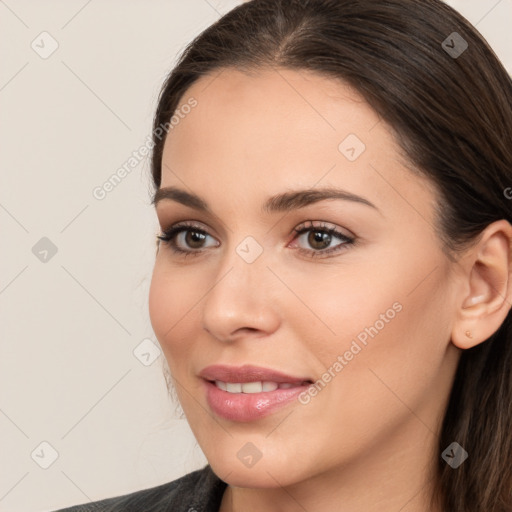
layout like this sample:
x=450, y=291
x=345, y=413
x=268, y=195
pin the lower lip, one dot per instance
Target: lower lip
x=245, y=407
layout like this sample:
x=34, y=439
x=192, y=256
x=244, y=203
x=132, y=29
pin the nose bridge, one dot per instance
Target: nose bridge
x=239, y=296
x=242, y=268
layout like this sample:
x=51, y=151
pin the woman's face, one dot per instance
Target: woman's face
x=364, y=312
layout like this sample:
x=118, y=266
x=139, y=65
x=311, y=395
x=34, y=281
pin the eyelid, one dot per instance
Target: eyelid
x=323, y=225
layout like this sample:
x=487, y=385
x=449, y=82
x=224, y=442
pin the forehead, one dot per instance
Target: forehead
x=266, y=117
x=278, y=103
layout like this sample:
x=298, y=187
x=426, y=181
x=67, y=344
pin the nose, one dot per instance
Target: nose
x=242, y=300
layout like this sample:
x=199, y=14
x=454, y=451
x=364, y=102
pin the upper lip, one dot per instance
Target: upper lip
x=248, y=373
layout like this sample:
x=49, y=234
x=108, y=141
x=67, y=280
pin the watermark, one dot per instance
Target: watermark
x=44, y=45
x=249, y=249
x=508, y=192
x=249, y=454
x=44, y=250
x=351, y=147
x=454, y=45
x=147, y=351
x=454, y=455
x=101, y=191
x=44, y=454
x=343, y=360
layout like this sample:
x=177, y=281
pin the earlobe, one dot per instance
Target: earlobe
x=487, y=275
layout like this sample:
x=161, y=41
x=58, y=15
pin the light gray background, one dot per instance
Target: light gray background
x=69, y=325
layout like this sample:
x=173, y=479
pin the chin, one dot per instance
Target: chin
x=262, y=475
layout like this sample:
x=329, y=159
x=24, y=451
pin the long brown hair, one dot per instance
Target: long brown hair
x=436, y=82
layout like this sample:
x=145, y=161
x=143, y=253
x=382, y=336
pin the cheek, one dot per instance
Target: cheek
x=171, y=310
x=339, y=307
x=396, y=366
x=391, y=316
x=160, y=304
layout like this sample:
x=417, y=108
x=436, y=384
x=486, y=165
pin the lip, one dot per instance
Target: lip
x=247, y=407
x=248, y=373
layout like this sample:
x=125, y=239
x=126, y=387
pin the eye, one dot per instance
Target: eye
x=186, y=239
x=320, y=239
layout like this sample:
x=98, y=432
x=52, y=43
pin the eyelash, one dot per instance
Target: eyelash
x=168, y=237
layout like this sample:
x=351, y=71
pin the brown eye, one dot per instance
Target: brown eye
x=186, y=239
x=194, y=239
x=317, y=240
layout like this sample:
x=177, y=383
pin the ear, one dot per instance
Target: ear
x=486, y=291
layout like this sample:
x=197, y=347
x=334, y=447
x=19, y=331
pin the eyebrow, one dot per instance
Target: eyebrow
x=283, y=202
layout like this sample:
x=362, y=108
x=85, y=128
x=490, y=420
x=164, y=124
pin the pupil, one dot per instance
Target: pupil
x=193, y=237
x=317, y=237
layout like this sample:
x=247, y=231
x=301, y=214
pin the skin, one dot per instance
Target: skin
x=368, y=439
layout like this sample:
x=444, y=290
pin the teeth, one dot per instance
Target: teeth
x=252, y=387
x=233, y=387
x=269, y=386
x=221, y=385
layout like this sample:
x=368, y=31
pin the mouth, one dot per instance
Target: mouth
x=248, y=393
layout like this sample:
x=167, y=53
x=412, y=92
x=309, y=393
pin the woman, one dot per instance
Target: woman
x=332, y=283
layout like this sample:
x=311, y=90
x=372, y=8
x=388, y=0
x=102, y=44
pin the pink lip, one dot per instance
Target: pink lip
x=247, y=373
x=246, y=407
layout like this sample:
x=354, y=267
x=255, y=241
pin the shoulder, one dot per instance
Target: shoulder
x=198, y=491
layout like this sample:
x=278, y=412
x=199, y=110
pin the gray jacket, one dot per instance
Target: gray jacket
x=198, y=491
